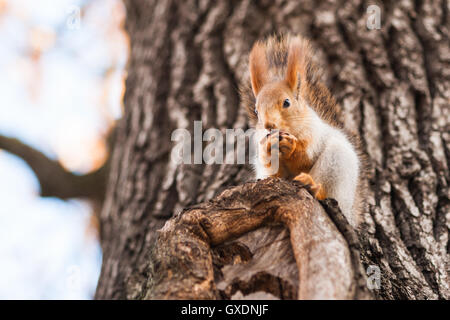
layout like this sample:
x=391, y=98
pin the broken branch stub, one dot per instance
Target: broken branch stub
x=181, y=261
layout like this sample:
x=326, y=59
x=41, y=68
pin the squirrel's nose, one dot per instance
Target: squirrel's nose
x=269, y=125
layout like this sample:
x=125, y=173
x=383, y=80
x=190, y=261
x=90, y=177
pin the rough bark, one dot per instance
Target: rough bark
x=181, y=262
x=187, y=59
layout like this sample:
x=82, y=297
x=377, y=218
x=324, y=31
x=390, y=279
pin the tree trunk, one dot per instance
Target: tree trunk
x=187, y=59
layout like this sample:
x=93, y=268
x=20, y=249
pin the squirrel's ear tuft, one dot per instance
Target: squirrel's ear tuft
x=293, y=64
x=258, y=67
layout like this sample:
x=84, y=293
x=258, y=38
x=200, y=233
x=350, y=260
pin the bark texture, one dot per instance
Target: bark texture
x=183, y=266
x=187, y=59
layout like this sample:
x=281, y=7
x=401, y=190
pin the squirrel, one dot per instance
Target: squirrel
x=284, y=95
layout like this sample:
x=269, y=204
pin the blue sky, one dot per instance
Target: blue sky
x=60, y=90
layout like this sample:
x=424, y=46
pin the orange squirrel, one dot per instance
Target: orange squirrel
x=284, y=95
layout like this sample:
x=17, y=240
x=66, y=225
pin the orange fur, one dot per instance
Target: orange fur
x=293, y=64
x=258, y=67
x=269, y=62
x=293, y=157
x=316, y=188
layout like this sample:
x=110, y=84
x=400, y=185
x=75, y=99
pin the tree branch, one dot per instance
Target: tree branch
x=54, y=180
x=181, y=261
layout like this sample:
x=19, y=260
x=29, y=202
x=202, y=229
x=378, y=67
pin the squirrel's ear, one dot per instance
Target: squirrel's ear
x=258, y=67
x=293, y=64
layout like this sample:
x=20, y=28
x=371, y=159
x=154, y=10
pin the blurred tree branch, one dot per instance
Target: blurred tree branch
x=54, y=180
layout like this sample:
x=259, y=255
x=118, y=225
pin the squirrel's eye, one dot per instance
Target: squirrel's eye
x=256, y=111
x=286, y=103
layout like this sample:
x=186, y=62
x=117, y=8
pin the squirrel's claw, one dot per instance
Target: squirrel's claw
x=315, y=189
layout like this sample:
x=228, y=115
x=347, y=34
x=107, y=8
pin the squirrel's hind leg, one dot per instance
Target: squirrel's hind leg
x=316, y=189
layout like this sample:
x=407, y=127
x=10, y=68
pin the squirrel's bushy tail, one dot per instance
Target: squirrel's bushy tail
x=276, y=50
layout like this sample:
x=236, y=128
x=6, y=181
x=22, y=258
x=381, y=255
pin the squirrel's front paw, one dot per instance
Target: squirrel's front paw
x=285, y=142
x=269, y=142
x=316, y=188
x=288, y=144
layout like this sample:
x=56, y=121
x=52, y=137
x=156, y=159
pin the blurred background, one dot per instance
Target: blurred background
x=61, y=85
